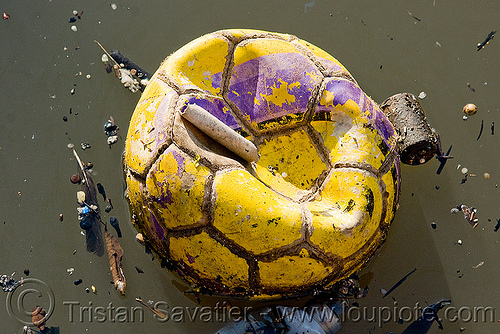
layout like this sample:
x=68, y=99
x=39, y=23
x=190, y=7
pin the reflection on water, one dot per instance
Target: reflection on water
x=386, y=48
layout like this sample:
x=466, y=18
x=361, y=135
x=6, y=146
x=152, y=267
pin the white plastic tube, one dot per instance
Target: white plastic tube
x=220, y=132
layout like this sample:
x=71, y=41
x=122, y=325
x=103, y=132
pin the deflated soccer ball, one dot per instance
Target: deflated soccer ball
x=257, y=168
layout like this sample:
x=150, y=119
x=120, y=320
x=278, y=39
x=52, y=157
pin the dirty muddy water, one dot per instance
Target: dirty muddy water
x=55, y=91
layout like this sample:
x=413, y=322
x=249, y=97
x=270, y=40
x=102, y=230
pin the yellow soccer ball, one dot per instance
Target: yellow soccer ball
x=257, y=168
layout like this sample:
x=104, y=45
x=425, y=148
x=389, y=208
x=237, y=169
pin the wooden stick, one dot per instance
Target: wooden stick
x=107, y=53
x=159, y=313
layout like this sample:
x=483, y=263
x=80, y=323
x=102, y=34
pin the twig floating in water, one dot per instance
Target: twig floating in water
x=470, y=87
x=481, y=130
x=490, y=36
x=159, y=313
x=115, y=254
x=492, y=128
x=416, y=18
x=399, y=283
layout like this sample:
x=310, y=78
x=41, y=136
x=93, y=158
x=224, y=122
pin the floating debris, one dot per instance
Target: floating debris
x=115, y=254
x=470, y=109
x=130, y=74
x=75, y=179
x=422, y=95
x=111, y=130
x=478, y=265
x=139, y=270
x=8, y=283
x=5, y=16
x=481, y=130
x=109, y=206
x=139, y=238
x=486, y=41
x=459, y=242
x=88, y=211
x=492, y=128
x=85, y=146
x=497, y=226
x=27, y=271
x=39, y=317
x=65, y=118
x=70, y=271
x=486, y=175
x=74, y=28
x=27, y=330
x=114, y=6
x=61, y=217
x=78, y=281
x=469, y=214
x=156, y=311
x=433, y=225
x=416, y=18
x=72, y=91
x=94, y=290
x=470, y=87
x=464, y=170
x=72, y=19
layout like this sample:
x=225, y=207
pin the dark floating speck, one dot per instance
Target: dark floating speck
x=72, y=19
x=433, y=225
x=27, y=271
x=78, y=281
x=65, y=118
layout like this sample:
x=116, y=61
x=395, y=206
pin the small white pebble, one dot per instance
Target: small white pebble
x=104, y=58
x=114, y=6
x=454, y=210
x=459, y=241
x=88, y=76
x=284, y=174
x=464, y=170
x=75, y=12
x=486, y=175
x=74, y=28
x=464, y=117
x=422, y=95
